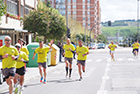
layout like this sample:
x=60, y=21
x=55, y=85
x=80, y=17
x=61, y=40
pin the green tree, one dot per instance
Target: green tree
x=2, y=8
x=101, y=38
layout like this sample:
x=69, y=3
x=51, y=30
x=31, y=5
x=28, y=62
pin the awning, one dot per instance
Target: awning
x=14, y=29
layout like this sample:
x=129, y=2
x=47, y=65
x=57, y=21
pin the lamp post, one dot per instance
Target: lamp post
x=137, y=19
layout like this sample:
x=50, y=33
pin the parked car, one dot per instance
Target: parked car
x=92, y=46
x=101, y=46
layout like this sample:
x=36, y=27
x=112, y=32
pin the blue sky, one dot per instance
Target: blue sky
x=118, y=9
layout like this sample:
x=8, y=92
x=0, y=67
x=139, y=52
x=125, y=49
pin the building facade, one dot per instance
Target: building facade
x=12, y=24
x=87, y=12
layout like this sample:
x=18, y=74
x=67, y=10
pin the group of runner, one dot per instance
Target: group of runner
x=14, y=61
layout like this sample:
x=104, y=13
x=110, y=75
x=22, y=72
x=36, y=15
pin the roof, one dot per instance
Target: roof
x=14, y=29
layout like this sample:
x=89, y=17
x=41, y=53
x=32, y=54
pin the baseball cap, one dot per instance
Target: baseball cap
x=17, y=45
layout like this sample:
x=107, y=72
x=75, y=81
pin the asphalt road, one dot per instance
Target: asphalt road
x=102, y=76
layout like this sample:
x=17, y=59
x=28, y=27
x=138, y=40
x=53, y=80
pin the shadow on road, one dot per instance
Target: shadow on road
x=62, y=81
x=32, y=84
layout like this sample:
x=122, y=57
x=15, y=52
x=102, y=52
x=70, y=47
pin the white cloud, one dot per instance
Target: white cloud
x=118, y=9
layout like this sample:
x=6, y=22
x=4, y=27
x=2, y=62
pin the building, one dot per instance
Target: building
x=87, y=12
x=12, y=24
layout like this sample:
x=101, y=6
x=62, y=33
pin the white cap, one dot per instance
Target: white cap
x=17, y=44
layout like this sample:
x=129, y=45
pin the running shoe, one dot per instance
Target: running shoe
x=66, y=75
x=20, y=90
x=80, y=79
x=113, y=59
x=69, y=76
x=41, y=79
x=45, y=81
x=16, y=90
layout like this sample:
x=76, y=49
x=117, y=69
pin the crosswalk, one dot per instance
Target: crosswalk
x=118, y=59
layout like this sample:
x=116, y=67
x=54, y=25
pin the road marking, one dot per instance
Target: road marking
x=98, y=60
x=89, y=72
x=130, y=59
x=119, y=59
x=102, y=92
x=89, y=60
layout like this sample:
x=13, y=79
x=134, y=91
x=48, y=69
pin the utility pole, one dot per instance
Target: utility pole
x=67, y=16
x=138, y=20
x=85, y=25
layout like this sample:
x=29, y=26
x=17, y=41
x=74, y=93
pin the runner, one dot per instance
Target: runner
x=20, y=69
x=42, y=53
x=69, y=48
x=112, y=47
x=134, y=51
x=137, y=48
x=82, y=53
x=9, y=55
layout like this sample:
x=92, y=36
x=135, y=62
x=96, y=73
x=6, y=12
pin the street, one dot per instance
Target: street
x=102, y=76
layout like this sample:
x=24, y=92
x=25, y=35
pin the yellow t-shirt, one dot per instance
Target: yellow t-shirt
x=42, y=54
x=8, y=62
x=68, y=53
x=137, y=45
x=24, y=49
x=82, y=50
x=112, y=47
x=22, y=55
x=134, y=46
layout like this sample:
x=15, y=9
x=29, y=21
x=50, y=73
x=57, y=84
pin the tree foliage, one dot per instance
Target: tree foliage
x=2, y=8
x=101, y=38
x=45, y=22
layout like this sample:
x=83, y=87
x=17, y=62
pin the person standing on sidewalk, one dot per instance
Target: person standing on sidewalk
x=68, y=54
x=112, y=47
x=20, y=69
x=82, y=52
x=9, y=56
x=42, y=53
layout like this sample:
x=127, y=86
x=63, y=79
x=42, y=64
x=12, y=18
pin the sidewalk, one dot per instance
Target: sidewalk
x=31, y=73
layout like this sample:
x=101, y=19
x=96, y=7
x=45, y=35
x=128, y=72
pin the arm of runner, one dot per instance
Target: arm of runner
x=24, y=60
x=5, y=56
x=86, y=54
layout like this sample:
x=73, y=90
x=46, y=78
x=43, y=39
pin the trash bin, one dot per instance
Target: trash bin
x=31, y=48
x=54, y=55
x=49, y=58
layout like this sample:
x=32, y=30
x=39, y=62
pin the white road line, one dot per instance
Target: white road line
x=89, y=60
x=119, y=59
x=130, y=59
x=98, y=60
x=89, y=72
x=102, y=92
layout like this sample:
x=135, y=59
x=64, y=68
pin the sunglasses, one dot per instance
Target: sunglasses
x=7, y=40
x=17, y=46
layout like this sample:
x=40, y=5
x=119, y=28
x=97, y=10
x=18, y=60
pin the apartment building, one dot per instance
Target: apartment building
x=12, y=24
x=87, y=12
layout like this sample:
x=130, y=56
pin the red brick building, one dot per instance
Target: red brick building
x=87, y=12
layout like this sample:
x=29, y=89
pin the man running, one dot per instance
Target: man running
x=20, y=69
x=42, y=53
x=9, y=56
x=68, y=48
x=134, y=51
x=82, y=53
x=137, y=47
x=112, y=47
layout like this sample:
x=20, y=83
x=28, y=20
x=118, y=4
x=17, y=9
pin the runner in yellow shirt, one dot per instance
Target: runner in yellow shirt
x=42, y=53
x=137, y=47
x=20, y=69
x=112, y=47
x=134, y=47
x=69, y=50
x=9, y=56
x=82, y=53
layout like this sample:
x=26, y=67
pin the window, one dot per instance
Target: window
x=69, y=6
x=62, y=7
x=88, y=7
x=74, y=6
x=88, y=24
x=27, y=9
x=69, y=0
x=83, y=6
x=62, y=12
x=21, y=9
x=74, y=0
x=74, y=12
x=84, y=24
x=83, y=12
x=88, y=18
x=12, y=7
x=88, y=1
x=84, y=18
x=57, y=6
x=88, y=13
x=83, y=1
x=69, y=12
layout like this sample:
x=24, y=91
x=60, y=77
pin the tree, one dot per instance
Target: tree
x=2, y=8
x=101, y=38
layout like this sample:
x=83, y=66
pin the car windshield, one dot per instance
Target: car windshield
x=100, y=44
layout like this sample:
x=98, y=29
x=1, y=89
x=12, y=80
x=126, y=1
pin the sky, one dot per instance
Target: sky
x=118, y=10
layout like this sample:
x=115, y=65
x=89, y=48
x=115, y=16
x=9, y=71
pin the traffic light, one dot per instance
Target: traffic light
x=68, y=33
x=109, y=23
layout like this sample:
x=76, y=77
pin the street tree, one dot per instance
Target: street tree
x=2, y=8
x=101, y=38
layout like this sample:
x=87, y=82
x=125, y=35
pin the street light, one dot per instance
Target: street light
x=138, y=20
